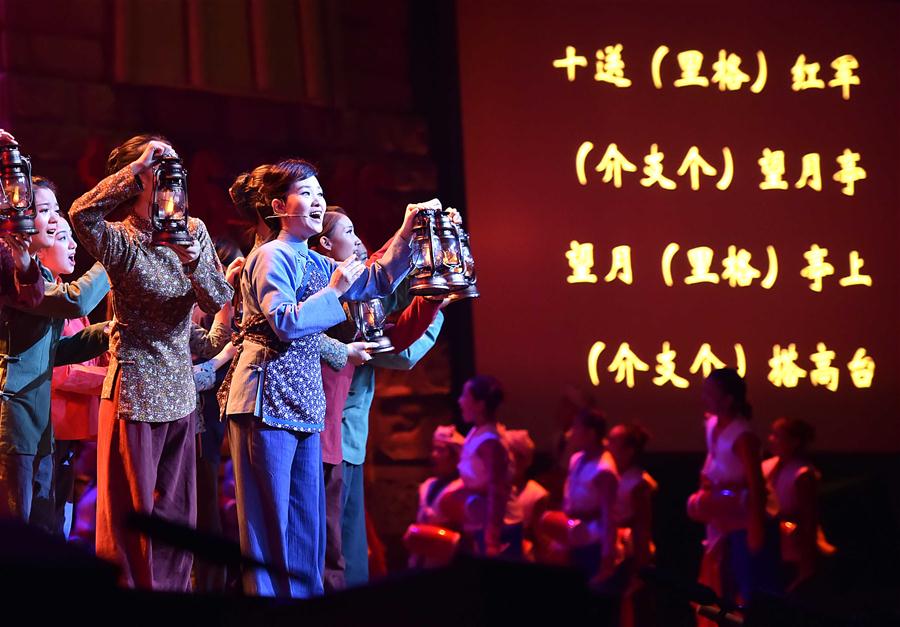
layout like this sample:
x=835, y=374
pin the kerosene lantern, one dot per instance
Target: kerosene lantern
x=468, y=262
x=471, y=290
x=17, y=210
x=169, y=211
x=437, y=266
x=370, y=319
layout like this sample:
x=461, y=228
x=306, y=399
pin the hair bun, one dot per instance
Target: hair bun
x=245, y=192
x=240, y=189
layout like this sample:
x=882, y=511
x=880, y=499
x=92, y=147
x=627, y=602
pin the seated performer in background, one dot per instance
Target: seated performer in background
x=793, y=484
x=633, y=515
x=531, y=496
x=740, y=550
x=589, y=500
x=429, y=542
x=483, y=504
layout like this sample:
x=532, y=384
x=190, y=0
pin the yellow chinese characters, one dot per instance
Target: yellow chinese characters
x=849, y=172
x=856, y=277
x=862, y=369
x=803, y=75
x=694, y=163
x=784, y=371
x=738, y=271
x=611, y=66
x=706, y=361
x=612, y=164
x=653, y=170
x=570, y=62
x=844, y=77
x=824, y=374
x=701, y=259
x=625, y=363
x=727, y=72
x=772, y=166
x=818, y=268
x=810, y=172
x=581, y=260
x=691, y=62
x=665, y=368
x=621, y=266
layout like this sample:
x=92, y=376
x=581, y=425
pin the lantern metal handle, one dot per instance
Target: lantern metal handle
x=432, y=235
x=27, y=161
x=457, y=228
x=357, y=314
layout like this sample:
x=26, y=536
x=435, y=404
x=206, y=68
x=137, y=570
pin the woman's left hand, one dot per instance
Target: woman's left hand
x=357, y=352
x=233, y=272
x=455, y=216
x=6, y=138
x=186, y=253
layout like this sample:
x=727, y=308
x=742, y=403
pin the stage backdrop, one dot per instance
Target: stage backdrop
x=657, y=189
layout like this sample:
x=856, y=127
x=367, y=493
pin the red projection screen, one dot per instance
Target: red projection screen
x=658, y=188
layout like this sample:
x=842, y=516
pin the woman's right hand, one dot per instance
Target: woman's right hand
x=409, y=218
x=346, y=274
x=233, y=272
x=18, y=245
x=152, y=153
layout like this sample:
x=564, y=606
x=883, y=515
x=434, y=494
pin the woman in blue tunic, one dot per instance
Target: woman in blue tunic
x=275, y=402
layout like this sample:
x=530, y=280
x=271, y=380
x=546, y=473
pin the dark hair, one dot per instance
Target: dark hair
x=244, y=193
x=799, y=430
x=329, y=221
x=732, y=384
x=484, y=387
x=636, y=438
x=593, y=419
x=227, y=250
x=44, y=183
x=275, y=183
x=128, y=151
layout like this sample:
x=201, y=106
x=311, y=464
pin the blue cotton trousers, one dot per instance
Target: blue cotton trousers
x=280, y=494
x=26, y=489
x=354, y=542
